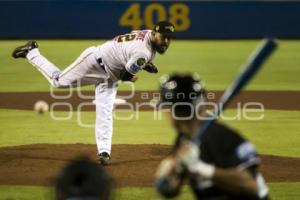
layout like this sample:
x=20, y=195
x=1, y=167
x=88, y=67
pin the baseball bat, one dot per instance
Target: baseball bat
x=251, y=67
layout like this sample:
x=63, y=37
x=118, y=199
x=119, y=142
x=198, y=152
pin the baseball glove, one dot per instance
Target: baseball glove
x=150, y=67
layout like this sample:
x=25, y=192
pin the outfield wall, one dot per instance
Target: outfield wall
x=104, y=19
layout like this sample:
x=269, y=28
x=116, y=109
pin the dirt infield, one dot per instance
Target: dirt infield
x=279, y=100
x=132, y=165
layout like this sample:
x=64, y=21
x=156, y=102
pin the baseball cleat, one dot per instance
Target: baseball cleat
x=104, y=158
x=22, y=51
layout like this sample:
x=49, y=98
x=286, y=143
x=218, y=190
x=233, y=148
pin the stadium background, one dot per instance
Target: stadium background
x=214, y=38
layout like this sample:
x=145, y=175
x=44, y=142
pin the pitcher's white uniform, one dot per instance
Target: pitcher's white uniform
x=102, y=66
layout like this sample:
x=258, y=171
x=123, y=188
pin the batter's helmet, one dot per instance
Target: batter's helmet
x=186, y=90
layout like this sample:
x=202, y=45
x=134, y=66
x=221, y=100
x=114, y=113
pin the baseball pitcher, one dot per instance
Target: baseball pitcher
x=103, y=66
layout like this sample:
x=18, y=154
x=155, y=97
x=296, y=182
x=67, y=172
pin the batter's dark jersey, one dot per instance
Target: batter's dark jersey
x=225, y=148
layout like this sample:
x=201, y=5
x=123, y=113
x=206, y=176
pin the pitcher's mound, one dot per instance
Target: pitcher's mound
x=132, y=165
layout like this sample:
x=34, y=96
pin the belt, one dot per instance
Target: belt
x=99, y=60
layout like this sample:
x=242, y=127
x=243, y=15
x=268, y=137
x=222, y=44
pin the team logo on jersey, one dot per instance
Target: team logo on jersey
x=134, y=68
x=246, y=151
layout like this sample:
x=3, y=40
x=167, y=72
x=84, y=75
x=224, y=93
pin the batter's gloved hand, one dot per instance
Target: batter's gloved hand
x=202, y=170
x=189, y=156
x=168, y=167
x=188, y=153
x=167, y=178
x=150, y=67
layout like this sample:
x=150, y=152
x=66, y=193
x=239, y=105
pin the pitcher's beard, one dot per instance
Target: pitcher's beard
x=159, y=49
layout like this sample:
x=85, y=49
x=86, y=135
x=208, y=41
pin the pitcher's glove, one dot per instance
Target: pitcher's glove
x=150, y=67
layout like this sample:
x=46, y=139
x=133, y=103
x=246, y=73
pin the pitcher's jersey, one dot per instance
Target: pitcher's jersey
x=124, y=51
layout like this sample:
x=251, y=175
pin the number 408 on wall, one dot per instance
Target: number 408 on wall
x=177, y=14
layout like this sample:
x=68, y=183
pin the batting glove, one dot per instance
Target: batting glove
x=204, y=170
x=168, y=179
x=188, y=156
x=188, y=153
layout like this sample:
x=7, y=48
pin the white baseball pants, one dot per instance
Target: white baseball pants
x=85, y=70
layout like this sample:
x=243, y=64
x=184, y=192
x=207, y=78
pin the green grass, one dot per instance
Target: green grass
x=27, y=127
x=286, y=191
x=217, y=62
x=278, y=191
x=277, y=133
x=25, y=193
x=46, y=193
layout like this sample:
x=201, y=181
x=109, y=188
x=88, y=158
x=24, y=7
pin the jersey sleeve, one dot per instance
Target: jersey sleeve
x=136, y=63
x=246, y=155
x=224, y=147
